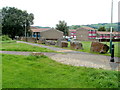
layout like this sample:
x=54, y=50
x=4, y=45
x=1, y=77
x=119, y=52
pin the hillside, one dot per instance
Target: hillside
x=41, y=27
x=96, y=26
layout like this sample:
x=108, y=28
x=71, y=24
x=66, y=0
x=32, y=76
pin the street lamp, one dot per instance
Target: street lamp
x=111, y=27
x=25, y=30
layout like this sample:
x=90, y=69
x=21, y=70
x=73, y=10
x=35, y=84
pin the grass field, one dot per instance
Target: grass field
x=87, y=45
x=0, y=72
x=41, y=72
x=13, y=46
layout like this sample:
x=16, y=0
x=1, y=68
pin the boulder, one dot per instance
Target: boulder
x=59, y=42
x=99, y=47
x=31, y=39
x=76, y=45
x=50, y=42
x=42, y=40
x=64, y=44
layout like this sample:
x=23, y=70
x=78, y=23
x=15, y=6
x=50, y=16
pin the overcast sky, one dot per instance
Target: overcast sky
x=74, y=12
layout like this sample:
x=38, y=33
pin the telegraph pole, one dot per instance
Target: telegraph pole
x=111, y=27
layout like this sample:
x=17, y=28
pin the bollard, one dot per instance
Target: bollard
x=112, y=53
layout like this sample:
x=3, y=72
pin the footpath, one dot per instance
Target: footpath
x=74, y=58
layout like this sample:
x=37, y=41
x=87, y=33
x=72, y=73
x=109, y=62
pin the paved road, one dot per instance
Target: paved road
x=74, y=58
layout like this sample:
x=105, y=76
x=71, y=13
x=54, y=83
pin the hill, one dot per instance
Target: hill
x=41, y=27
x=96, y=26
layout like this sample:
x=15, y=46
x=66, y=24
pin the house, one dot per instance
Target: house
x=48, y=33
x=72, y=33
x=105, y=36
x=86, y=34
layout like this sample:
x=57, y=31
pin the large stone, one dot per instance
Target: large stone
x=50, y=42
x=59, y=41
x=42, y=40
x=99, y=47
x=76, y=45
x=31, y=39
x=64, y=44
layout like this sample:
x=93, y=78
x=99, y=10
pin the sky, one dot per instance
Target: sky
x=74, y=12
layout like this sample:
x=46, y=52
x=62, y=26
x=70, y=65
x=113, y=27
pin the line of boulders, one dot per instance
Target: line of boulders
x=77, y=45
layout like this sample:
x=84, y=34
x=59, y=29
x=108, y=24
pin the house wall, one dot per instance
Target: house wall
x=82, y=35
x=72, y=33
x=52, y=34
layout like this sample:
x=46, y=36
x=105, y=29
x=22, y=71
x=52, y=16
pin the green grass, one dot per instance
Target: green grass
x=87, y=46
x=13, y=46
x=0, y=72
x=42, y=72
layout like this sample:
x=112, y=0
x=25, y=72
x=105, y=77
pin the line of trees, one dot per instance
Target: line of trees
x=105, y=29
x=14, y=21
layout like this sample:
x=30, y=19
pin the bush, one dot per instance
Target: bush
x=5, y=38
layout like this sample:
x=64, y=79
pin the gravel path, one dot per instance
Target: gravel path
x=74, y=58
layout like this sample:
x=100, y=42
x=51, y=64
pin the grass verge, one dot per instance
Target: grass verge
x=42, y=72
x=87, y=46
x=13, y=46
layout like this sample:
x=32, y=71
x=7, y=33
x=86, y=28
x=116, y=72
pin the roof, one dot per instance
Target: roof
x=40, y=29
x=87, y=28
x=32, y=27
x=72, y=30
x=100, y=32
x=44, y=29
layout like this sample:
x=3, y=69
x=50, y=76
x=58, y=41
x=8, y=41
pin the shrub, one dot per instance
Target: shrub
x=5, y=38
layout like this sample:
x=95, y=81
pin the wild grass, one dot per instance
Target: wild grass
x=42, y=72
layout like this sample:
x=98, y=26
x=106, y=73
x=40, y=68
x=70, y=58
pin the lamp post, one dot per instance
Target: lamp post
x=25, y=30
x=111, y=27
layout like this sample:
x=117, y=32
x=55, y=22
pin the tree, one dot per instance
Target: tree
x=15, y=21
x=102, y=29
x=109, y=29
x=62, y=26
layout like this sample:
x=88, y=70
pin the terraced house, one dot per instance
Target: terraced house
x=91, y=34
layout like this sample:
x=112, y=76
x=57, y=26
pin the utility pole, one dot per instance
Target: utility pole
x=25, y=31
x=111, y=27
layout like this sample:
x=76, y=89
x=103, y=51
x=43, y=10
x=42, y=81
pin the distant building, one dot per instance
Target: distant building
x=106, y=35
x=86, y=34
x=48, y=33
x=72, y=33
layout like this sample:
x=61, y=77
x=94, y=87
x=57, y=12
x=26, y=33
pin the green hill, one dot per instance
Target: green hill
x=96, y=26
